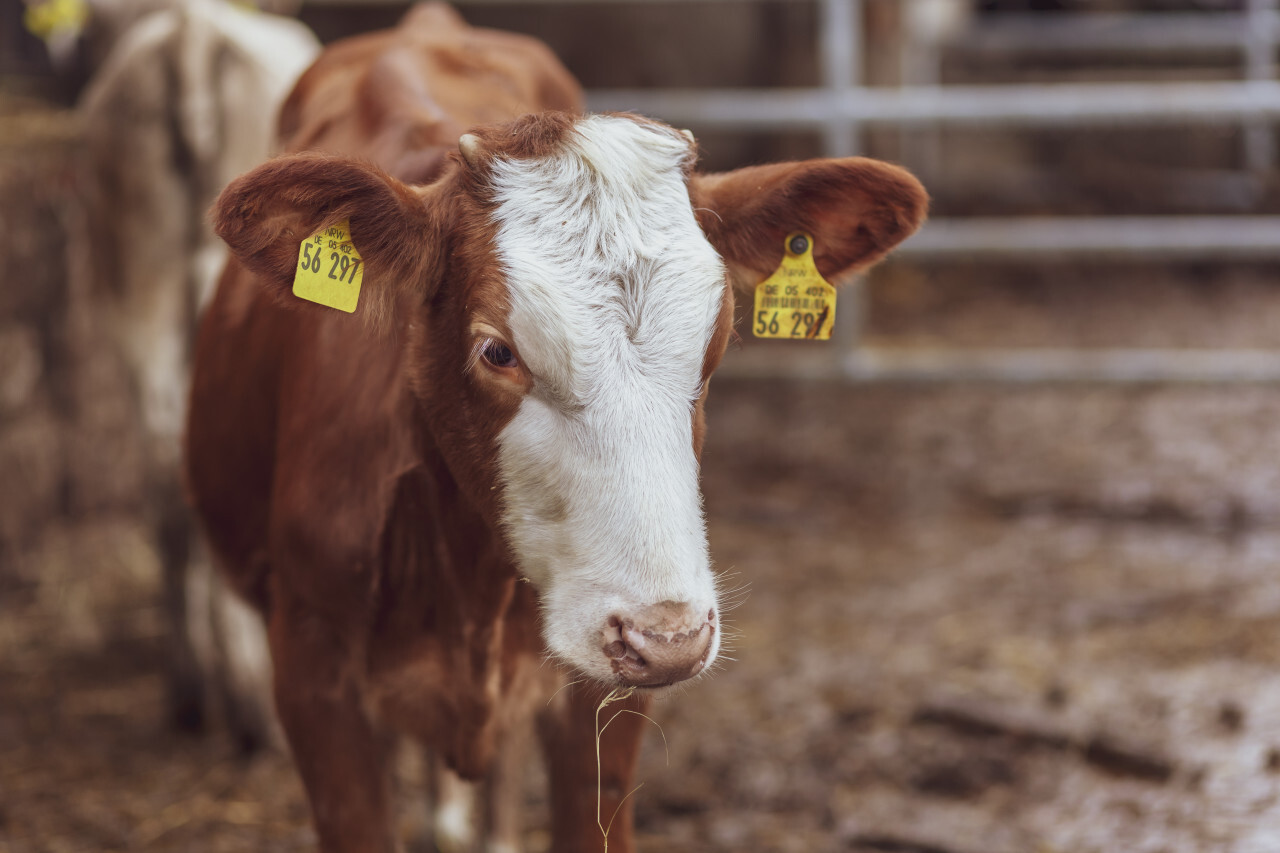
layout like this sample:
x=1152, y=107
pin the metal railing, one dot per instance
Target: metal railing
x=841, y=107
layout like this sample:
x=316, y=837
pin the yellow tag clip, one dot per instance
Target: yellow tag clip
x=330, y=269
x=796, y=302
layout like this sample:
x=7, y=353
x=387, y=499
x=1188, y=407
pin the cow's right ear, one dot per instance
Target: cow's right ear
x=266, y=214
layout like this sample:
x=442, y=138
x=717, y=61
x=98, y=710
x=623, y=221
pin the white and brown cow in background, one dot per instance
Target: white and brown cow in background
x=484, y=485
x=185, y=99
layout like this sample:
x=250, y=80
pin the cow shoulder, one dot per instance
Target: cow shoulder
x=302, y=463
x=345, y=437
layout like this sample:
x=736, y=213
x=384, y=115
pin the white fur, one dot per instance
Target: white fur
x=614, y=293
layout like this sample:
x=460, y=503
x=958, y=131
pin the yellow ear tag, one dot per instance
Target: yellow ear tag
x=796, y=302
x=330, y=269
x=50, y=17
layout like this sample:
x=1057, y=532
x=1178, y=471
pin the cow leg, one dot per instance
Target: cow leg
x=581, y=800
x=173, y=531
x=342, y=761
x=242, y=667
x=454, y=801
x=217, y=647
x=150, y=326
x=453, y=825
x=504, y=792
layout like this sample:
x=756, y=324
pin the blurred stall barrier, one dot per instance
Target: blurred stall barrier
x=1166, y=237
x=1016, y=366
x=841, y=107
x=1167, y=32
x=1025, y=105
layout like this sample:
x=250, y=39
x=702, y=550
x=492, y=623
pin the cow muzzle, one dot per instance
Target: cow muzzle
x=660, y=644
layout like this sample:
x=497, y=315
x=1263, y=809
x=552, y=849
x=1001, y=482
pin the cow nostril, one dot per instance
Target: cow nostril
x=657, y=646
x=623, y=651
x=622, y=643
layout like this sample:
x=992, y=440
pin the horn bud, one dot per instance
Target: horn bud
x=471, y=147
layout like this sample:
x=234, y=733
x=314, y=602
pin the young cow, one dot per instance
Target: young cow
x=518, y=398
x=185, y=100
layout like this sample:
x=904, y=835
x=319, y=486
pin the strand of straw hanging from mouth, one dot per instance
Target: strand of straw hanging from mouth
x=617, y=695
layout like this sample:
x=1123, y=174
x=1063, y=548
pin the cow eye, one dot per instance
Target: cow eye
x=498, y=354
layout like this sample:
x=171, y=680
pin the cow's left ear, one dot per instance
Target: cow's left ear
x=856, y=210
x=266, y=214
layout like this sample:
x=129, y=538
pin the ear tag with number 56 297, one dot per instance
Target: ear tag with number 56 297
x=330, y=269
x=796, y=302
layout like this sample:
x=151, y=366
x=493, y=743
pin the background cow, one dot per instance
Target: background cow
x=185, y=100
x=520, y=397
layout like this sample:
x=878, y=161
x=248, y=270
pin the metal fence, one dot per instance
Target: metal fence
x=841, y=107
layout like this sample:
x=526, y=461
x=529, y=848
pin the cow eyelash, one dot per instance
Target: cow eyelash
x=497, y=354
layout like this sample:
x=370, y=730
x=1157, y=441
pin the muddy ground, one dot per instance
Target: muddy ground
x=978, y=620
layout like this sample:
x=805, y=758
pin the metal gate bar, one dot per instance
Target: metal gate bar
x=1148, y=237
x=870, y=364
x=1152, y=32
x=840, y=109
x=1013, y=105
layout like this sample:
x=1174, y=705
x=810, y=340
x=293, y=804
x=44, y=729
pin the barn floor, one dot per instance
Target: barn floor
x=978, y=620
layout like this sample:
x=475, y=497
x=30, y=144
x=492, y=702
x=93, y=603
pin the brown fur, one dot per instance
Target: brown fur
x=346, y=470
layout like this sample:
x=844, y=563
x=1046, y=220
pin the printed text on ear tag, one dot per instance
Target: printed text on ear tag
x=796, y=302
x=330, y=269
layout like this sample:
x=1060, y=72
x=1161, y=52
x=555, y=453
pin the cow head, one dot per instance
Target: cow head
x=563, y=294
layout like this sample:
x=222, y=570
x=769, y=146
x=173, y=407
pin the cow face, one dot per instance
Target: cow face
x=574, y=288
x=614, y=297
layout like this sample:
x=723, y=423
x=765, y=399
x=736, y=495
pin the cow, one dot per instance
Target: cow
x=184, y=100
x=474, y=500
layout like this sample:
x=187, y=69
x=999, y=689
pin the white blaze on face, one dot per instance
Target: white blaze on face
x=614, y=295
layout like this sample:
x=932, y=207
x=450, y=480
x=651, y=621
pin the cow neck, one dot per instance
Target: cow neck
x=453, y=612
x=447, y=570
